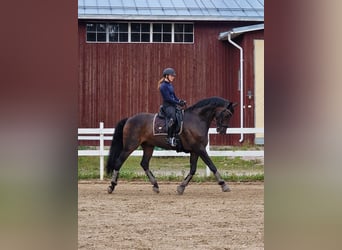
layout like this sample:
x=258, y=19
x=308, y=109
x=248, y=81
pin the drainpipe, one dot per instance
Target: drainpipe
x=241, y=83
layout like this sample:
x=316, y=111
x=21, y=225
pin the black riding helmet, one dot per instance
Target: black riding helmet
x=169, y=71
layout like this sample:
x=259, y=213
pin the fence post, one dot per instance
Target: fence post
x=101, y=151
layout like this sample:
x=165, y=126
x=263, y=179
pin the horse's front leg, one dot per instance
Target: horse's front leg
x=145, y=162
x=193, y=167
x=205, y=157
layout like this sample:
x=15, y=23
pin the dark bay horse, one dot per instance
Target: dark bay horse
x=138, y=130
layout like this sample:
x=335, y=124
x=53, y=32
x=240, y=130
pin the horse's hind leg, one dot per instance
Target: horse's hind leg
x=145, y=162
x=118, y=163
x=193, y=167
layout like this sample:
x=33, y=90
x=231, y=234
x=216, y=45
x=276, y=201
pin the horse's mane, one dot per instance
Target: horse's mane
x=215, y=101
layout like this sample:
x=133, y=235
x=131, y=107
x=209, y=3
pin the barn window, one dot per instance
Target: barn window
x=140, y=32
x=162, y=32
x=117, y=32
x=184, y=33
x=96, y=32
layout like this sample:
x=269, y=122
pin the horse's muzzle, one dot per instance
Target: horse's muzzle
x=221, y=130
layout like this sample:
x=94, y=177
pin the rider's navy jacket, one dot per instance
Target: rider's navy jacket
x=168, y=93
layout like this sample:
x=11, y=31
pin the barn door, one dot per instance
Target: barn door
x=259, y=88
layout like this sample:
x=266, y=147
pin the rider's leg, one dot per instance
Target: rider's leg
x=171, y=123
x=171, y=135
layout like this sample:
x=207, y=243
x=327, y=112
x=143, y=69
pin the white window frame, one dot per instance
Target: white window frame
x=129, y=40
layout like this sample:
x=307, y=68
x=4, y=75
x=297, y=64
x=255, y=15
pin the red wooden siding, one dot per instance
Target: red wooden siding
x=118, y=80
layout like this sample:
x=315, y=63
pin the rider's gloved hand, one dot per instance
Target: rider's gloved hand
x=182, y=103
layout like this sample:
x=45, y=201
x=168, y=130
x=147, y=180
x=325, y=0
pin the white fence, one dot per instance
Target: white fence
x=101, y=134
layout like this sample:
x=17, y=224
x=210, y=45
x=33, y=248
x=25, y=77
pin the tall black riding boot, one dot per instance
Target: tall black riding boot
x=170, y=133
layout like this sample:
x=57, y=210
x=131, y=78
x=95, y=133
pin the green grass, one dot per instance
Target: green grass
x=176, y=168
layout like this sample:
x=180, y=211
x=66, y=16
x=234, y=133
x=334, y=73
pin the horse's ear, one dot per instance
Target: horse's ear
x=232, y=105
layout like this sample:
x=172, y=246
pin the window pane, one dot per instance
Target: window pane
x=135, y=27
x=135, y=37
x=178, y=27
x=145, y=37
x=145, y=27
x=123, y=37
x=157, y=27
x=91, y=37
x=188, y=38
x=100, y=27
x=188, y=28
x=167, y=27
x=156, y=37
x=113, y=28
x=91, y=27
x=123, y=27
x=166, y=38
x=101, y=37
x=113, y=37
x=178, y=38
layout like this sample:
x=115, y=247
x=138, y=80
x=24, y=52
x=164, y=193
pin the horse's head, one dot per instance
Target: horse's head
x=223, y=116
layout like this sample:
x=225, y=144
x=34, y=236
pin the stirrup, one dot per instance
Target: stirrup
x=172, y=141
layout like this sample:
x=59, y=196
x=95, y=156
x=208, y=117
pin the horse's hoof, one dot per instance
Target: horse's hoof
x=225, y=188
x=110, y=189
x=156, y=189
x=180, y=189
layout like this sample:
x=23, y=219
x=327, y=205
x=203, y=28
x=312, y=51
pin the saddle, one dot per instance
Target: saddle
x=159, y=122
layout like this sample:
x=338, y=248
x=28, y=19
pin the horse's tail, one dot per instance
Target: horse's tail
x=116, y=147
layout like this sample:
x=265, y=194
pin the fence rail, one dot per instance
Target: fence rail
x=102, y=134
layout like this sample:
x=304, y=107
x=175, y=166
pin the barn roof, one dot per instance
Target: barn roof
x=185, y=10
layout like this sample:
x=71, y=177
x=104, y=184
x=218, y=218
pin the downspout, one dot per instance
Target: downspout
x=241, y=83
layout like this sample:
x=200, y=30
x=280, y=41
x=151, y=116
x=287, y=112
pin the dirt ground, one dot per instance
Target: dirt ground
x=204, y=217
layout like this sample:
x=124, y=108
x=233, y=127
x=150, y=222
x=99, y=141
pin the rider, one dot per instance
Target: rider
x=170, y=101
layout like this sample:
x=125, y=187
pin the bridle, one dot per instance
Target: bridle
x=222, y=117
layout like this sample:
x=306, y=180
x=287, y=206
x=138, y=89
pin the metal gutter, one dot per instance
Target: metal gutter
x=240, y=30
x=241, y=82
